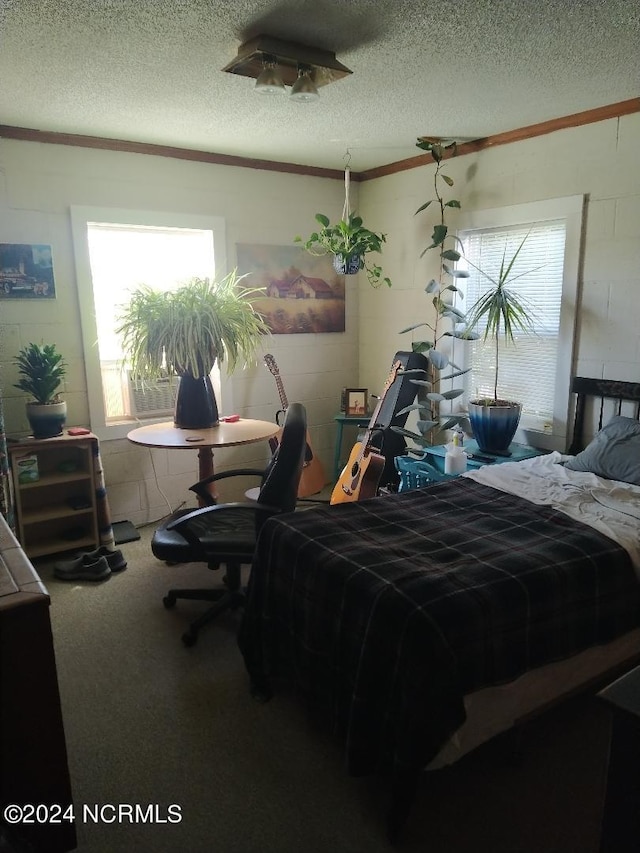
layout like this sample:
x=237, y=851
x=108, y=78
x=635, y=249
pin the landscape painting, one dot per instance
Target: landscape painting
x=303, y=294
x=26, y=271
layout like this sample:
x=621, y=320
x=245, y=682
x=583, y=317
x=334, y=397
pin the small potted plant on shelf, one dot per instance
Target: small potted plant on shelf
x=349, y=242
x=42, y=368
x=494, y=420
x=185, y=332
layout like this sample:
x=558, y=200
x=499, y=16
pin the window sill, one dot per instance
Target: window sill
x=121, y=429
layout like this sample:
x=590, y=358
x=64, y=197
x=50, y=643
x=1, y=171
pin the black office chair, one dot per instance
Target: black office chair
x=226, y=533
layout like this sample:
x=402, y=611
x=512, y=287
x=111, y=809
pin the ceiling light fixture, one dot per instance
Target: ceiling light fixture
x=304, y=89
x=269, y=60
x=269, y=81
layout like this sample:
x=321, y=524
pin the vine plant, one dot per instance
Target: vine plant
x=449, y=321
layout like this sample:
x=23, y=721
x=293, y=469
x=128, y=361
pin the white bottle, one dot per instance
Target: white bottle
x=455, y=460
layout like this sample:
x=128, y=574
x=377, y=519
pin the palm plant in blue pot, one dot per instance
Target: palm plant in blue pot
x=502, y=312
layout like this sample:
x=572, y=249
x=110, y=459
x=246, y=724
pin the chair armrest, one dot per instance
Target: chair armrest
x=200, y=488
x=183, y=520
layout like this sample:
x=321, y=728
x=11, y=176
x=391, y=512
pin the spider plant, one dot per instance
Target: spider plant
x=188, y=330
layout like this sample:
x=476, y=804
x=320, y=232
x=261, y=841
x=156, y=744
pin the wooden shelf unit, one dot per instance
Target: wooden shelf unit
x=47, y=522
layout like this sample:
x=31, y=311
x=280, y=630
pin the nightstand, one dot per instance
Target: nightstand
x=518, y=452
x=416, y=473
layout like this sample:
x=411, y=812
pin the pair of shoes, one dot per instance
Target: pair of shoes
x=83, y=568
x=115, y=559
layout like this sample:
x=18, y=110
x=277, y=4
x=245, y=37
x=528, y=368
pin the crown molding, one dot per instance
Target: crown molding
x=49, y=137
x=531, y=131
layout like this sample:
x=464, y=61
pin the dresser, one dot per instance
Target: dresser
x=34, y=765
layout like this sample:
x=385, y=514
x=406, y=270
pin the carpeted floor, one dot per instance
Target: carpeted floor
x=149, y=721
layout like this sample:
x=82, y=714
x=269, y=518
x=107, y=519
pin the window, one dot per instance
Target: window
x=115, y=252
x=536, y=369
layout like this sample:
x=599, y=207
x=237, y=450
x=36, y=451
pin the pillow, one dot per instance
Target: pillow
x=614, y=453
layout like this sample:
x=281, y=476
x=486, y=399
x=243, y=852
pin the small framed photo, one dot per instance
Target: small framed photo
x=357, y=402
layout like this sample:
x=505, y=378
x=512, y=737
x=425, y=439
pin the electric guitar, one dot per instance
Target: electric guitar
x=361, y=475
x=313, y=478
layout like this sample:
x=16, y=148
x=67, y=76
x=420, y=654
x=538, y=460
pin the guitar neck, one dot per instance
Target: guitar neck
x=368, y=433
x=270, y=361
x=281, y=392
x=374, y=417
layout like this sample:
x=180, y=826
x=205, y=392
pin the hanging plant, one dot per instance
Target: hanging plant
x=348, y=241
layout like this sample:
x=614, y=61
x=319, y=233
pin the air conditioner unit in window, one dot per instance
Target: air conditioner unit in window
x=152, y=399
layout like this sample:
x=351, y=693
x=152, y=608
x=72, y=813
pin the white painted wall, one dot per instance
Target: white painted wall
x=598, y=160
x=39, y=183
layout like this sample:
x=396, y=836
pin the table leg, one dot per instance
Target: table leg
x=205, y=462
x=205, y=469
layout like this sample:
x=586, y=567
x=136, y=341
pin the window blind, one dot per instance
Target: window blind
x=527, y=367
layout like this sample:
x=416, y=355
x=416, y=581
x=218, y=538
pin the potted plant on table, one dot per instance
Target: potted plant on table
x=42, y=368
x=185, y=332
x=494, y=420
x=349, y=242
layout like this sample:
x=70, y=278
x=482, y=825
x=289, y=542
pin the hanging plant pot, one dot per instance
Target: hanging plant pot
x=47, y=419
x=494, y=425
x=196, y=406
x=347, y=266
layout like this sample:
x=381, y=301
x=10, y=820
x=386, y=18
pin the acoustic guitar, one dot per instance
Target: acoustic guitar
x=313, y=478
x=360, y=477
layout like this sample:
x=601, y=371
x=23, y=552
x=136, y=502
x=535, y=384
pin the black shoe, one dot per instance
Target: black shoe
x=83, y=568
x=115, y=559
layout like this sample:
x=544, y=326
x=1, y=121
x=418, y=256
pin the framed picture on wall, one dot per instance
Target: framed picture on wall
x=357, y=402
x=303, y=294
x=26, y=271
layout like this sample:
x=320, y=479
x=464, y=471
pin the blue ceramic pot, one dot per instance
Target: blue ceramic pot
x=47, y=419
x=494, y=426
x=346, y=266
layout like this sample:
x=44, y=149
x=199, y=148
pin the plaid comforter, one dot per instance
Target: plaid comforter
x=384, y=613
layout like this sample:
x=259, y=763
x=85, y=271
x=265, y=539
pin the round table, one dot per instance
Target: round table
x=170, y=437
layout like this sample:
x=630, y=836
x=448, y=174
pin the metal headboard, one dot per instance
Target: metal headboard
x=605, y=389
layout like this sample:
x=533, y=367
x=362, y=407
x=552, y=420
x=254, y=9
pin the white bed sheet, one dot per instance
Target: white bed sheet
x=609, y=506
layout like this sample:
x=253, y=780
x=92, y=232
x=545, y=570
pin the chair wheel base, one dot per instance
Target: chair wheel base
x=169, y=601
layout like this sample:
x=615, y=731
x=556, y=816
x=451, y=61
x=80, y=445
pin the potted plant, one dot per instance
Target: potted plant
x=185, y=332
x=494, y=420
x=349, y=242
x=42, y=368
x=448, y=322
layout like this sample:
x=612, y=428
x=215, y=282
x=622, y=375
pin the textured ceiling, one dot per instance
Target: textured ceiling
x=149, y=71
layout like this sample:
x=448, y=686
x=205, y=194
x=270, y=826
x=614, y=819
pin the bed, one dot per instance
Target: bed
x=422, y=624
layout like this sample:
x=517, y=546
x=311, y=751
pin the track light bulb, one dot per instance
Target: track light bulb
x=304, y=89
